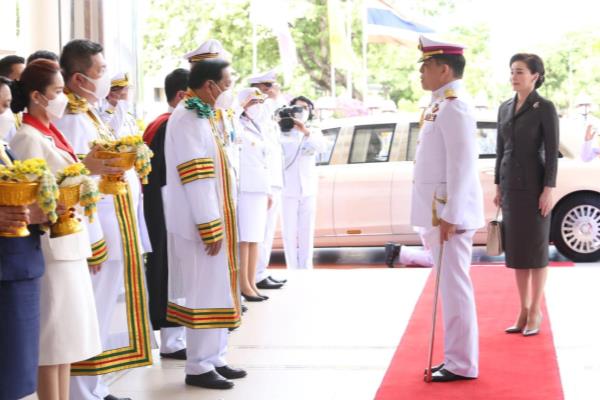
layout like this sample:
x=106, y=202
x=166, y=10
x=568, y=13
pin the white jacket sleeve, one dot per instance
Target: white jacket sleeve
x=315, y=141
x=198, y=168
x=588, y=152
x=458, y=129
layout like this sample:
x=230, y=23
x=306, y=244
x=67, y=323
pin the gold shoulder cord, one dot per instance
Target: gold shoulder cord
x=104, y=132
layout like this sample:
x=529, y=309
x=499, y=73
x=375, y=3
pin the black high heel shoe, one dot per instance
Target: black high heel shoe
x=252, y=298
x=263, y=296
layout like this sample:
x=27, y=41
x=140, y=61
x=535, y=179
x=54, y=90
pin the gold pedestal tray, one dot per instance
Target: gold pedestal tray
x=114, y=184
x=67, y=223
x=17, y=194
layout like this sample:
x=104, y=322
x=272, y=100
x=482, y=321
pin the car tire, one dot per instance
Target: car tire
x=576, y=227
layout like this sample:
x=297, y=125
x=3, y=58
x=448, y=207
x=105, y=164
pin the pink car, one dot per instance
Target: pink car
x=366, y=181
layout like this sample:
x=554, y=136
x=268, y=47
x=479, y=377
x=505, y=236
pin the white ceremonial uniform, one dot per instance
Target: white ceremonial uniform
x=301, y=180
x=273, y=137
x=200, y=209
x=81, y=127
x=446, y=168
x=119, y=119
x=255, y=186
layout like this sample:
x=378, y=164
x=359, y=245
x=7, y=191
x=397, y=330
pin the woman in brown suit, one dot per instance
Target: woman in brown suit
x=526, y=164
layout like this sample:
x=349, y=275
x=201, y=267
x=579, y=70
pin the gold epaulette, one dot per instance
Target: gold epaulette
x=450, y=94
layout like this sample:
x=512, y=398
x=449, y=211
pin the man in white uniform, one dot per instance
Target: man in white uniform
x=115, y=108
x=266, y=83
x=200, y=214
x=447, y=201
x=120, y=252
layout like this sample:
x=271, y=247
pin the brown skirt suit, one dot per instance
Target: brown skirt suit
x=526, y=162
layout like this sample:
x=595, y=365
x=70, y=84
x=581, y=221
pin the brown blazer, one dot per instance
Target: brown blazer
x=527, y=144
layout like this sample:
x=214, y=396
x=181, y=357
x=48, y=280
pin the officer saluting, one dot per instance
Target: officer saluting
x=447, y=201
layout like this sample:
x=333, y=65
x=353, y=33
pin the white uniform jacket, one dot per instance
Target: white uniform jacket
x=301, y=177
x=80, y=130
x=446, y=162
x=192, y=195
x=254, y=159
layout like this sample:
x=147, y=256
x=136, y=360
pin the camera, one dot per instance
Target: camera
x=285, y=115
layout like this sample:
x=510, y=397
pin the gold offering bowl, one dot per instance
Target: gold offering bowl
x=67, y=223
x=18, y=194
x=114, y=184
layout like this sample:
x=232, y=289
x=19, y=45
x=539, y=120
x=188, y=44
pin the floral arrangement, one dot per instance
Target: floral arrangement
x=78, y=175
x=30, y=171
x=130, y=144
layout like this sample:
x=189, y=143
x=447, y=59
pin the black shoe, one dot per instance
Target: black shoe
x=392, y=251
x=435, y=368
x=231, y=373
x=244, y=308
x=210, y=380
x=111, y=397
x=443, y=375
x=178, y=355
x=268, y=284
x=263, y=296
x=252, y=298
x=276, y=280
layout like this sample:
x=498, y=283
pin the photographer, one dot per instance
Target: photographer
x=301, y=143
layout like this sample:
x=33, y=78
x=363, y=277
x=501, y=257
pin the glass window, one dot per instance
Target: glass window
x=486, y=139
x=371, y=143
x=330, y=136
x=413, y=137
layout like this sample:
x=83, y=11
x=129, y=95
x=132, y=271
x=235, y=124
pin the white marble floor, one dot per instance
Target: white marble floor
x=330, y=334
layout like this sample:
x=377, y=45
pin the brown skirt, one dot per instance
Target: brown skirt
x=526, y=233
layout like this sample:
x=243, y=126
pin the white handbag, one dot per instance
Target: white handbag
x=494, y=243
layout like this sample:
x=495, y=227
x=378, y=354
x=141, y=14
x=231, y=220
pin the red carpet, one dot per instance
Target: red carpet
x=511, y=366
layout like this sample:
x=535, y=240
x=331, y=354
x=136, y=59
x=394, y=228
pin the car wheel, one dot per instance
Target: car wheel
x=576, y=228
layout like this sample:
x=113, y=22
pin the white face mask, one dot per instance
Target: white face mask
x=7, y=122
x=101, y=84
x=256, y=112
x=56, y=107
x=225, y=99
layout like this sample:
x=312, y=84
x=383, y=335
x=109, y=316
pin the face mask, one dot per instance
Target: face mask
x=101, y=84
x=224, y=98
x=7, y=122
x=256, y=112
x=56, y=107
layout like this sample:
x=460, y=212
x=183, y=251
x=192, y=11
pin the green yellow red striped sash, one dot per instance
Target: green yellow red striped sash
x=198, y=168
x=138, y=352
x=99, y=253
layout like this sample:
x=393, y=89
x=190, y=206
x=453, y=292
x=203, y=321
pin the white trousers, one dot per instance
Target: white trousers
x=265, y=248
x=108, y=285
x=413, y=256
x=172, y=339
x=206, y=350
x=298, y=228
x=461, y=335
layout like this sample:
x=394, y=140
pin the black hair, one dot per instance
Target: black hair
x=305, y=99
x=534, y=63
x=456, y=62
x=206, y=70
x=77, y=56
x=174, y=82
x=45, y=54
x=7, y=63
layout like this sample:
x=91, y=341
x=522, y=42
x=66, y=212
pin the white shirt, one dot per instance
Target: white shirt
x=301, y=177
